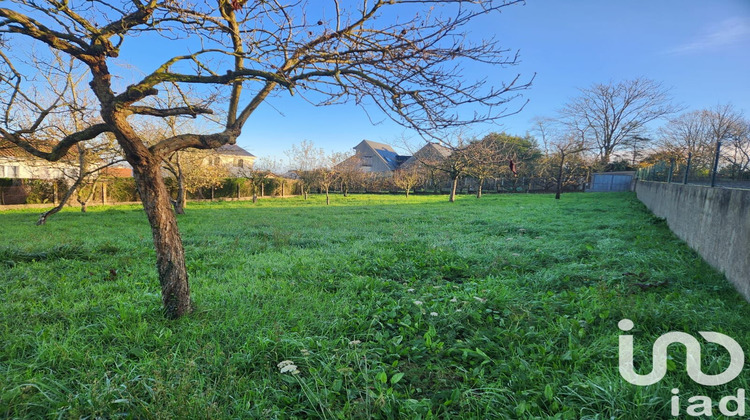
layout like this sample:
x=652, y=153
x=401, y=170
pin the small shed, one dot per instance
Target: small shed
x=612, y=181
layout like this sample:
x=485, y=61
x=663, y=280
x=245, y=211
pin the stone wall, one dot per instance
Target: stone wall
x=713, y=221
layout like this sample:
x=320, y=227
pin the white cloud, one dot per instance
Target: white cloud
x=727, y=33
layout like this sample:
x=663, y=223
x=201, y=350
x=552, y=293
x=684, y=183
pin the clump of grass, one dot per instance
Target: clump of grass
x=504, y=307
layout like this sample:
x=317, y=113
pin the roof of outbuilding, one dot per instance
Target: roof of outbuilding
x=233, y=150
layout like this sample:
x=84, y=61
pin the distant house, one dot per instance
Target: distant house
x=233, y=157
x=15, y=163
x=429, y=153
x=377, y=157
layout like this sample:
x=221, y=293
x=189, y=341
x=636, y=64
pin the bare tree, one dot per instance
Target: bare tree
x=560, y=145
x=328, y=172
x=262, y=170
x=688, y=134
x=407, y=178
x=350, y=173
x=305, y=159
x=485, y=159
x=84, y=165
x=697, y=133
x=407, y=67
x=612, y=114
x=736, y=151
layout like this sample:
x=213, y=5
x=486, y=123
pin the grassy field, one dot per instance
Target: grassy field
x=504, y=307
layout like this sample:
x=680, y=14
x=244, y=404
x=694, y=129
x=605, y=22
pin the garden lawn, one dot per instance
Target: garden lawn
x=503, y=307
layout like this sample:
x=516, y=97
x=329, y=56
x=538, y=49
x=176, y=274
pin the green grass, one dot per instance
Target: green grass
x=520, y=298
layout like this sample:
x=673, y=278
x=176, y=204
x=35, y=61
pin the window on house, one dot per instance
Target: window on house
x=240, y=163
x=367, y=161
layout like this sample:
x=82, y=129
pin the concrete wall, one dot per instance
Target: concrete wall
x=713, y=221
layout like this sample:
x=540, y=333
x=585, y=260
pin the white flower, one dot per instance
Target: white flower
x=433, y=314
x=409, y=290
x=287, y=366
x=435, y=287
x=354, y=342
x=480, y=299
x=289, y=369
x=418, y=302
x=305, y=352
x=515, y=254
x=459, y=310
x=454, y=300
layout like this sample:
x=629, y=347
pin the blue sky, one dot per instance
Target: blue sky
x=698, y=48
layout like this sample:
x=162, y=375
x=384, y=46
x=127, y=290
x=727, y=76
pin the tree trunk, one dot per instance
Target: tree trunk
x=328, y=198
x=179, y=203
x=452, y=197
x=282, y=188
x=407, y=192
x=213, y=191
x=559, y=176
x=479, y=189
x=44, y=216
x=170, y=254
x=84, y=201
x=255, y=198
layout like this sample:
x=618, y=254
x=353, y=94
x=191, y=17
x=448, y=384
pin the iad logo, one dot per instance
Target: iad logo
x=737, y=357
x=702, y=404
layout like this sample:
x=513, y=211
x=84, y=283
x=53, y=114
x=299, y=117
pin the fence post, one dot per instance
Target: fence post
x=687, y=168
x=671, y=170
x=716, y=163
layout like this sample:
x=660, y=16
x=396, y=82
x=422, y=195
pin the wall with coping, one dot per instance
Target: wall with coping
x=713, y=221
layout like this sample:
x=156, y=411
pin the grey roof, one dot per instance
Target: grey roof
x=429, y=152
x=386, y=152
x=233, y=150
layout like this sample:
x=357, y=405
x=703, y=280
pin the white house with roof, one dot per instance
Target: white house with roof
x=233, y=157
x=15, y=163
x=377, y=157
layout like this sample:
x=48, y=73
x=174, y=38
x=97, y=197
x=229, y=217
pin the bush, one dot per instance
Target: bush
x=122, y=190
x=39, y=191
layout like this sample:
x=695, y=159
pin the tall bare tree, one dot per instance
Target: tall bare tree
x=736, y=150
x=688, y=134
x=403, y=57
x=612, y=114
x=697, y=133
